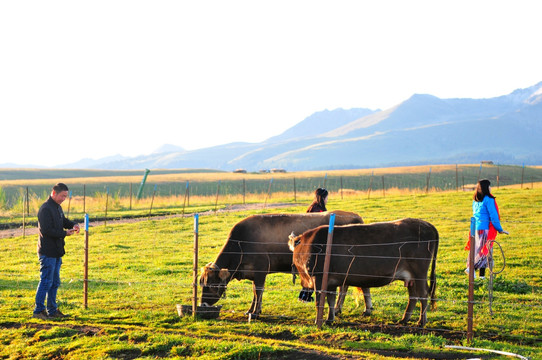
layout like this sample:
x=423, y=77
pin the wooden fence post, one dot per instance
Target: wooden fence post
x=217, y=191
x=106, y=202
x=185, y=196
x=85, y=275
x=268, y=193
x=195, y=268
x=152, y=199
x=470, y=311
x=323, y=289
x=370, y=185
x=295, y=192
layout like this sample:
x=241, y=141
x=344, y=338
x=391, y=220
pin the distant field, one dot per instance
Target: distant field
x=205, y=183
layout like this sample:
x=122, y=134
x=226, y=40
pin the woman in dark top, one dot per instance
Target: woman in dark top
x=320, y=201
x=318, y=205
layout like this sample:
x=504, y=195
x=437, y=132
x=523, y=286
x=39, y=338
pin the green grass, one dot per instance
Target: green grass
x=138, y=273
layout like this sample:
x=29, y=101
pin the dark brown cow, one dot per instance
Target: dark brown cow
x=369, y=256
x=258, y=246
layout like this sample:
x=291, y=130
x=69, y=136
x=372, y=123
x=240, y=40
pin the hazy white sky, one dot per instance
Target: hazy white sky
x=98, y=78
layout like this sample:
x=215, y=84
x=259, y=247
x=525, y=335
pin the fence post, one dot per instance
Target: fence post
x=85, y=198
x=325, y=180
x=479, y=172
x=522, y=173
x=106, y=202
x=85, y=275
x=244, y=190
x=69, y=202
x=24, y=215
x=428, y=180
x=185, y=195
x=295, y=192
x=470, y=311
x=370, y=185
x=140, y=191
x=28, y=202
x=323, y=288
x=456, y=178
x=152, y=199
x=217, y=191
x=195, y=269
x=268, y=193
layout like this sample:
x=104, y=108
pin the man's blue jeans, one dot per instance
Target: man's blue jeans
x=49, y=283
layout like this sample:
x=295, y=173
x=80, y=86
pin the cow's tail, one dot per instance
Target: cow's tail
x=433, y=277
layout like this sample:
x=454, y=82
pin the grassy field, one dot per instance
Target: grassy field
x=138, y=273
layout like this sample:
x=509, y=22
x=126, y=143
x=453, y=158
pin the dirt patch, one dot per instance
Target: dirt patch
x=14, y=232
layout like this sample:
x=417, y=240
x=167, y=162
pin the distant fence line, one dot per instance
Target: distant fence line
x=13, y=196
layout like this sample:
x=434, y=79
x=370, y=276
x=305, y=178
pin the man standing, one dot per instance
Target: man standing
x=51, y=225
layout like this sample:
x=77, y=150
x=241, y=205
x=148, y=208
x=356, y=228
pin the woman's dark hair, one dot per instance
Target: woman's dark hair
x=482, y=190
x=320, y=195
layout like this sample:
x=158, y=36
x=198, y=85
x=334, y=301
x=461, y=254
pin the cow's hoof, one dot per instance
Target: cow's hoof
x=252, y=316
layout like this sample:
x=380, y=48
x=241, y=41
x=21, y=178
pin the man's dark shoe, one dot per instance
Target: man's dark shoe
x=57, y=315
x=41, y=315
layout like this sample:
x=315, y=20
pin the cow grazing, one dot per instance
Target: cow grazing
x=258, y=246
x=371, y=255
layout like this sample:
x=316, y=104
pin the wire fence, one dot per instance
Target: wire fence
x=27, y=198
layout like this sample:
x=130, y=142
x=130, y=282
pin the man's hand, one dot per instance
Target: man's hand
x=70, y=232
x=77, y=228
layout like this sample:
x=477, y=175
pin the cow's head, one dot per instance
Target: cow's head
x=213, y=283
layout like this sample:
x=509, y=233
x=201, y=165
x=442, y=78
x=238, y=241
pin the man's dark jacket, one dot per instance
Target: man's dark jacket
x=51, y=225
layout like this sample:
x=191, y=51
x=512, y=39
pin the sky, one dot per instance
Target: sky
x=90, y=79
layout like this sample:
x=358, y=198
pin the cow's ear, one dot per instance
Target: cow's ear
x=224, y=274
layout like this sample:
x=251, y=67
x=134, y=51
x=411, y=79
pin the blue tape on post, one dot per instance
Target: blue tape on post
x=155, y=187
x=196, y=223
x=472, y=226
x=86, y=222
x=331, y=222
x=187, y=184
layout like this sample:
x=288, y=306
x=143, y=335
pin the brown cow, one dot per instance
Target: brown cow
x=369, y=256
x=258, y=246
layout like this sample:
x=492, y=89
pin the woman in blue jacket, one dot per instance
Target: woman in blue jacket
x=486, y=214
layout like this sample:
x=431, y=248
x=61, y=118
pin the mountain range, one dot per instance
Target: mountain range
x=421, y=130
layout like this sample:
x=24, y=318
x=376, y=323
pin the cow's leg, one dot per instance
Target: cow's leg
x=331, y=297
x=412, y=300
x=423, y=294
x=258, y=288
x=253, y=303
x=256, y=306
x=417, y=290
x=340, y=299
x=368, y=301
